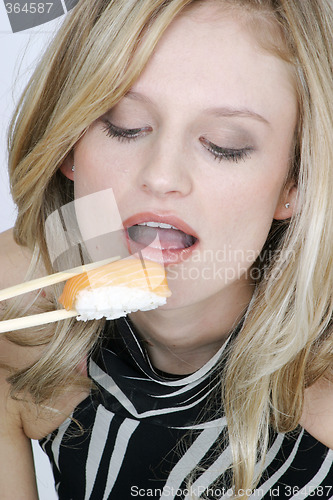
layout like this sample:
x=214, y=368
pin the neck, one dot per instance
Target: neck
x=180, y=341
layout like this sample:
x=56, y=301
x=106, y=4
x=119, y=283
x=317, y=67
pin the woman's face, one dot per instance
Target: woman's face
x=201, y=143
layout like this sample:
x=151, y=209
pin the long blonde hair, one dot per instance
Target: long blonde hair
x=285, y=343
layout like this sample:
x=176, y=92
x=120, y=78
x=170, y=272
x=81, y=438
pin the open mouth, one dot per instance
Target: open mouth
x=169, y=237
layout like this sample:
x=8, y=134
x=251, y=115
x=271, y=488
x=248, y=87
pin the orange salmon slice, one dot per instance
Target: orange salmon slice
x=132, y=273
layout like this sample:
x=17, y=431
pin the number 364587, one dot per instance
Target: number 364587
x=29, y=8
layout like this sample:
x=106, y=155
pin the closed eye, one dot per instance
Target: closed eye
x=124, y=134
x=230, y=154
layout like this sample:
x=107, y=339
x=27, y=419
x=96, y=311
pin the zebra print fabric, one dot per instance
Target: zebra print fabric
x=142, y=435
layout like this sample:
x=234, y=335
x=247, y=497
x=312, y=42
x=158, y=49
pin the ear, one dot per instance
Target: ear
x=67, y=166
x=286, y=205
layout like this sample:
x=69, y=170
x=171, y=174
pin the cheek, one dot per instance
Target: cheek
x=100, y=163
x=92, y=172
x=244, y=208
x=247, y=192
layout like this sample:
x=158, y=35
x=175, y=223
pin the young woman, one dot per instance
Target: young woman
x=210, y=121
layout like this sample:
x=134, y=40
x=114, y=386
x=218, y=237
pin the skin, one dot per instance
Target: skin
x=195, y=67
x=180, y=104
x=19, y=422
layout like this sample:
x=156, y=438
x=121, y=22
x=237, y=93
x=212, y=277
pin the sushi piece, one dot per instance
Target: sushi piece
x=116, y=289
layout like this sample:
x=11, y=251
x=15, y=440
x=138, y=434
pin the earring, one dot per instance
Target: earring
x=287, y=205
x=73, y=168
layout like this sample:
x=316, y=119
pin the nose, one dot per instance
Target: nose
x=165, y=171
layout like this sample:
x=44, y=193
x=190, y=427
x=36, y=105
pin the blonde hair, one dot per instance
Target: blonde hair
x=285, y=343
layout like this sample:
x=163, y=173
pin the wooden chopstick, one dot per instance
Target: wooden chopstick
x=29, y=286
x=35, y=320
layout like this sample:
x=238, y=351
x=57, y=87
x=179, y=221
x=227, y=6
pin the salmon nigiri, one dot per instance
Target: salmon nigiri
x=116, y=289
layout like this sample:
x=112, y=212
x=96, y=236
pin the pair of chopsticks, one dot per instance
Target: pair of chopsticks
x=30, y=286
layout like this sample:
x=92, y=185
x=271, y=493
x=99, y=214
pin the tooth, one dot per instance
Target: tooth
x=167, y=226
x=161, y=225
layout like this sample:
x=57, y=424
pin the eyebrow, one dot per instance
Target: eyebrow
x=137, y=96
x=227, y=111
x=224, y=111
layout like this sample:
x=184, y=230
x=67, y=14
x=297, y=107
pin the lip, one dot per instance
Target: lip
x=169, y=256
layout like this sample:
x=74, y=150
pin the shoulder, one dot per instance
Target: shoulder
x=22, y=414
x=25, y=417
x=14, y=260
x=14, y=358
x=14, y=257
x=317, y=417
x=17, y=472
x=15, y=268
x=16, y=460
x=14, y=263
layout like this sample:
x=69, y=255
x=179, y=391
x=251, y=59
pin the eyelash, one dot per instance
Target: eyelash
x=124, y=134
x=219, y=153
x=229, y=154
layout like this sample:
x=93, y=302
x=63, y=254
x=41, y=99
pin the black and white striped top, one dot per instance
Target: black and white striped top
x=143, y=435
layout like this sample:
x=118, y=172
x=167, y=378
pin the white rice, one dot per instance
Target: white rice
x=114, y=302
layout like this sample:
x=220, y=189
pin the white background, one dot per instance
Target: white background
x=18, y=55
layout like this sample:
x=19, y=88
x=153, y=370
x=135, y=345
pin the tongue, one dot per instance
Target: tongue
x=169, y=238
